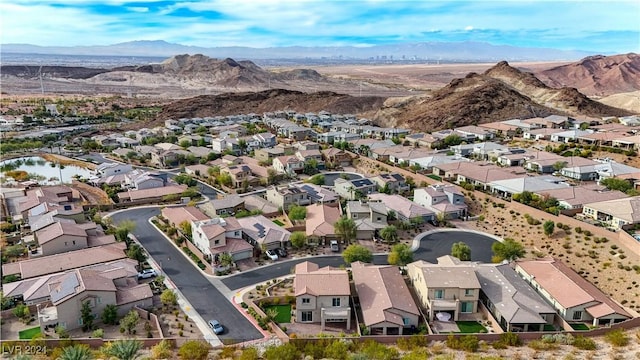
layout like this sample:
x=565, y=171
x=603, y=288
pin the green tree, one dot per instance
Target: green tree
x=310, y=167
x=617, y=184
x=271, y=175
x=559, y=165
x=137, y=253
x=21, y=311
x=6, y=302
x=185, y=228
x=185, y=144
x=317, y=179
x=76, y=352
x=355, y=253
x=123, y=349
x=224, y=179
x=461, y=251
x=346, y=228
x=86, y=315
x=130, y=321
x=389, y=233
x=242, y=144
x=297, y=212
x=194, y=350
x=400, y=255
x=110, y=314
x=548, y=227
x=508, y=250
x=123, y=229
x=225, y=259
x=451, y=140
x=168, y=297
x=298, y=239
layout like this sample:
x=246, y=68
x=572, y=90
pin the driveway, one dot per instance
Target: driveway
x=208, y=301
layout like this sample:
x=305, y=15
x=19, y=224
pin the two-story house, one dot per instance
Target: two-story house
x=288, y=165
x=218, y=235
x=110, y=169
x=286, y=196
x=322, y=294
x=453, y=290
x=405, y=209
x=354, y=189
x=393, y=182
x=240, y=175
x=369, y=217
x=61, y=236
x=387, y=305
x=440, y=198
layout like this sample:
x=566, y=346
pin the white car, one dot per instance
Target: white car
x=147, y=273
x=334, y=246
x=271, y=254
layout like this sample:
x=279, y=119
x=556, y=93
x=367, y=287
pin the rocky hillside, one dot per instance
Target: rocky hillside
x=567, y=99
x=597, y=75
x=501, y=93
x=269, y=100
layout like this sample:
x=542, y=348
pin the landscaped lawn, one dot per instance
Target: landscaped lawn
x=549, y=327
x=28, y=334
x=579, y=326
x=284, y=313
x=470, y=327
x=278, y=222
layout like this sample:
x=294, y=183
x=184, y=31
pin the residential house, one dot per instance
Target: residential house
x=99, y=287
x=175, y=216
x=220, y=235
x=198, y=170
x=445, y=289
x=60, y=237
x=477, y=132
x=143, y=180
x=337, y=157
x=440, y=198
x=318, y=194
x=387, y=305
x=268, y=154
x=391, y=182
x=535, y=184
x=288, y=165
x=369, y=217
x=575, y=298
x=322, y=294
x=227, y=205
x=569, y=135
x=265, y=140
x=482, y=175
x=263, y=233
x=427, y=163
x=547, y=163
x=354, y=189
x=404, y=209
x=151, y=195
x=503, y=129
x=423, y=140
x=110, y=169
x=286, y=196
x=627, y=142
x=539, y=134
x=311, y=157
x=258, y=203
x=320, y=223
x=240, y=175
x=589, y=171
x=574, y=197
x=614, y=213
x=199, y=152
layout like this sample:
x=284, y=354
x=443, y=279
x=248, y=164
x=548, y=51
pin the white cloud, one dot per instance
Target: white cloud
x=468, y=28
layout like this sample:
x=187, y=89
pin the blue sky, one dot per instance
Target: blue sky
x=600, y=26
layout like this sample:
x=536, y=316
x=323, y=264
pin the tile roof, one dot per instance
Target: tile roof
x=401, y=205
x=321, y=219
x=263, y=230
x=132, y=294
x=232, y=246
x=627, y=209
x=383, y=294
x=212, y=230
x=176, y=215
x=568, y=288
x=227, y=202
x=134, y=195
x=327, y=281
x=58, y=229
x=438, y=276
x=576, y=196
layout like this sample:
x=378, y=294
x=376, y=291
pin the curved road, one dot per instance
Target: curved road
x=205, y=298
x=211, y=302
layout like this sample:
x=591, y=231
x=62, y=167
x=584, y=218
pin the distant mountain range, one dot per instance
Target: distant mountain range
x=424, y=51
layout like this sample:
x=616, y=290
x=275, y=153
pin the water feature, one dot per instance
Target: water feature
x=47, y=173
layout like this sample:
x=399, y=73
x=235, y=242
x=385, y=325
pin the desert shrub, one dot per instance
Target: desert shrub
x=510, y=339
x=617, y=338
x=469, y=343
x=98, y=333
x=541, y=345
x=409, y=343
x=584, y=343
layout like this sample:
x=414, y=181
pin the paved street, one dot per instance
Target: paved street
x=208, y=301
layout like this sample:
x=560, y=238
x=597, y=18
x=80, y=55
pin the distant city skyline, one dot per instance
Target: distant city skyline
x=599, y=26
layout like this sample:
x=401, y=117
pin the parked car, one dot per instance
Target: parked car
x=282, y=252
x=216, y=327
x=147, y=273
x=271, y=254
x=334, y=246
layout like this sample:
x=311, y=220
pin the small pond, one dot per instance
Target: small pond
x=43, y=171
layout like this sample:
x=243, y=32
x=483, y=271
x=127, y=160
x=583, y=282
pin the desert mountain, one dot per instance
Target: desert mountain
x=266, y=101
x=501, y=93
x=597, y=75
x=566, y=99
x=629, y=101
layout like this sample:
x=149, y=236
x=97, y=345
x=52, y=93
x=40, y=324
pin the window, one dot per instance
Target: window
x=65, y=243
x=74, y=242
x=406, y=321
x=306, y=300
x=307, y=316
x=439, y=294
x=468, y=292
x=335, y=302
x=217, y=242
x=577, y=315
x=466, y=307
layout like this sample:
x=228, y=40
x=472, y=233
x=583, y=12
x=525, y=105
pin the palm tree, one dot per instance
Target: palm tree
x=124, y=349
x=76, y=352
x=389, y=234
x=346, y=228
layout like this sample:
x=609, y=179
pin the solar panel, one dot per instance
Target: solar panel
x=260, y=230
x=65, y=288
